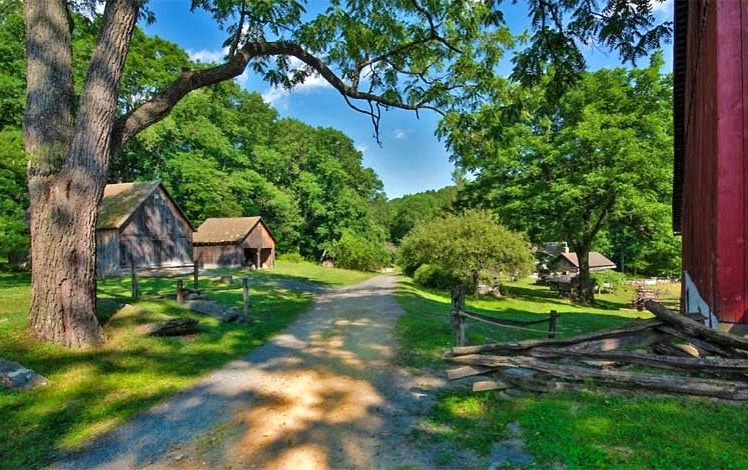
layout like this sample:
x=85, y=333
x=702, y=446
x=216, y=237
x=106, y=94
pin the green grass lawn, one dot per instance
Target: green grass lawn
x=310, y=272
x=92, y=391
x=580, y=430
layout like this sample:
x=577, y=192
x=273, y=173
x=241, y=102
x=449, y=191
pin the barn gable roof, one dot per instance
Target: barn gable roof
x=226, y=230
x=121, y=200
x=597, y=260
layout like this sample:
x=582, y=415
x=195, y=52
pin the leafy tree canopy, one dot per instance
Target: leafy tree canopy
x=467, y=244
x=567, y=169
x=410, y=210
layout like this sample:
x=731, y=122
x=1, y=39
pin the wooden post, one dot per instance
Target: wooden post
x=133, y=281
x=461, y=338
x=180, y=291
x=458, y=306
x=552, y=324
x=245, y=287
x=195, y=281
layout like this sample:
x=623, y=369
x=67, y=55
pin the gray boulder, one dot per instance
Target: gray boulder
x=14, y=376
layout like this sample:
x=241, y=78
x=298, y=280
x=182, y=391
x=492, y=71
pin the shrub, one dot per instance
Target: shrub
x=434, y=277
x=292, y=257
x=466, y=244
x=614, y=278
x=354, y=251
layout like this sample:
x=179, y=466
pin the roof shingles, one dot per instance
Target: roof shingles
x=224, y=230
x=120, y=201
x=596, y=260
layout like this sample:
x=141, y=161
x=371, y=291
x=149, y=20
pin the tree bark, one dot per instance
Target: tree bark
x=691, y=327
x=68, y=163
x=586, y=288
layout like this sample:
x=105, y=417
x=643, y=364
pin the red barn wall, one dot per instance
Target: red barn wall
x=715, y=173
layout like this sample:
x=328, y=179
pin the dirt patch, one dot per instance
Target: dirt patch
x=324, y=394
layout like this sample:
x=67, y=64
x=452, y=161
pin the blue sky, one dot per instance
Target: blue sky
x=410, y=160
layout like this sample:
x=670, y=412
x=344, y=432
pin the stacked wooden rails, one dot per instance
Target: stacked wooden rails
x=670, y=354
x=641, y=296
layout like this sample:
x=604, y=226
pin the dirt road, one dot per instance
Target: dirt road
x=324, y=394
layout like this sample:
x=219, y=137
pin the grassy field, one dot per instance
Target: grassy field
x=95, y=390
x=584, y=430
x=312, y=272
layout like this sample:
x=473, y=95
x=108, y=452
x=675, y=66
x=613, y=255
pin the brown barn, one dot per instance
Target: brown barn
x=140, y=223
x=234, y=242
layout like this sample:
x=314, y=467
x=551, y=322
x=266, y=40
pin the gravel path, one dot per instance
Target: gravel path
x=323, y=394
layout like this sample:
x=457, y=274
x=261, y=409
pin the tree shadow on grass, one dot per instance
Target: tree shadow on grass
x=92, y=391
x=322, y=392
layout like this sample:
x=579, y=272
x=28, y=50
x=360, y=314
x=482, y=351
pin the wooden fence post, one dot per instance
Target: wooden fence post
x=133, y=281
x=458, y=306
x=552, y=324
x=180, y=291
x=195, y=275
x=245, y=288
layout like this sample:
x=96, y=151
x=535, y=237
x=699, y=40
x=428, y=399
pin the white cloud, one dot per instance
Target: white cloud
x=659, y=6
x=207, y=56
x=362, y=148
x=312, y=83
x=400, y=134
x=275, y=95
x=243, y=78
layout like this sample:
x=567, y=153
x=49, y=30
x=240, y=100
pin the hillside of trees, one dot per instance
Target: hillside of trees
x=222, y=152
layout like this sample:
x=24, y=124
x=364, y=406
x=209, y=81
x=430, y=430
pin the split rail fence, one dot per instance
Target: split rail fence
x=459, y=317
x=181, y=291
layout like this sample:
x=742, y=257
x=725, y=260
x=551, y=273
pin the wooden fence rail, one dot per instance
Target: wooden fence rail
x=459, y=315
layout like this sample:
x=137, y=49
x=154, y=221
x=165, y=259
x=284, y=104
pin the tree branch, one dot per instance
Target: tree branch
x=160, y=105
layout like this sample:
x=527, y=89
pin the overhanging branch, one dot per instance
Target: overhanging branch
x=160, y=105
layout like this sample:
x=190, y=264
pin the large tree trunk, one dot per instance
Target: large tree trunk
x=68, y=161
x=63, y=290
x=586, y=287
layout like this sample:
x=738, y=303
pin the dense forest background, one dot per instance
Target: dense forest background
x=223, y=152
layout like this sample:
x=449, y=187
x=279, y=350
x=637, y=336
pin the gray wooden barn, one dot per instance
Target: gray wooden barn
x=140, y=223
x=234, y=242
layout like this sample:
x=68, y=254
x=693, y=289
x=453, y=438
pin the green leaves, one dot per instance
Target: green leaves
x=597, y=159
x=563, y=28
x=466, y=244
x=224, y=152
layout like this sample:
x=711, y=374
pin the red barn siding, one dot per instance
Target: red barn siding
x=714, y=174
x=743, y=61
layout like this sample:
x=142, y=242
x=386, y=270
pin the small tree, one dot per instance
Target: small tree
x=354, y=251
x=466, y=244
